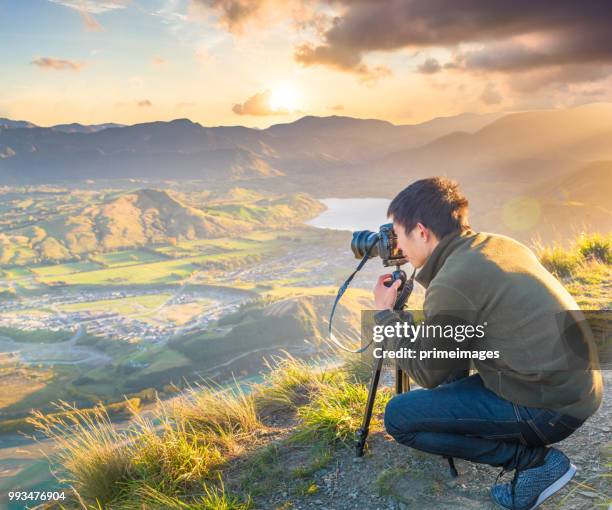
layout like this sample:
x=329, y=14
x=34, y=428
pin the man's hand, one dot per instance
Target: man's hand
x=384, y=297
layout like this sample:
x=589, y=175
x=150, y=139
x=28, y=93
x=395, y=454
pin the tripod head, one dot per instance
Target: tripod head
x=405, y=288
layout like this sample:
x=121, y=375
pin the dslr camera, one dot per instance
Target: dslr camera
x=381, y=244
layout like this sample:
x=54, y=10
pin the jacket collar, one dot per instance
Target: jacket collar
x=438, y=256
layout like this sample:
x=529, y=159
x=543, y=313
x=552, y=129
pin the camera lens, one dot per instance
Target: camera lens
x=362, y=240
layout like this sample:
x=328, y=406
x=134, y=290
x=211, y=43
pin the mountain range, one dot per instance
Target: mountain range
x=181, y=149
x=499, y=159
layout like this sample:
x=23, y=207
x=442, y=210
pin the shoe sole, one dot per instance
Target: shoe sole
x=554, y=487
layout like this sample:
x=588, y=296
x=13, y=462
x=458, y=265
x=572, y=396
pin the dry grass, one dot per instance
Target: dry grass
x=566, y=263
x=226, y=416
x=96, y=456
x=174, y=457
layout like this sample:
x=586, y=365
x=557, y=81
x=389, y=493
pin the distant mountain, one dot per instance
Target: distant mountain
x=75, y=127
x=354, y=136
x=495, y=157
x=9, y=124
x=181, y=149
x=554, y=133
x=580, y=196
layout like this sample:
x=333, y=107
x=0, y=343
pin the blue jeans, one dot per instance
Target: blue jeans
x=464, y=419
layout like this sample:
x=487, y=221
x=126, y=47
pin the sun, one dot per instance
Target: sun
x=283, y=97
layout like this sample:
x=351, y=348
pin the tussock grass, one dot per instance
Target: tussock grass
x=173, y=457
x=596, y=247
x=357, y=368
x=336, y=410
x=212, y=498
x=586, y=249
x=225, y=416
x=185, y=443
x=96, y=457
x=286, y=384
x=289, y=383
x=559, y=261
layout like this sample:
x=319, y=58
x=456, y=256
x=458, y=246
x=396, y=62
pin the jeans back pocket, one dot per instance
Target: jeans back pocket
x=551, y=426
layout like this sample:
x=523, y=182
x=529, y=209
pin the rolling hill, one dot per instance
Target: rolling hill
x=111, y=221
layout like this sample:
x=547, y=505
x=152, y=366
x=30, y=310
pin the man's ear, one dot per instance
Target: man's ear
x=424, y=232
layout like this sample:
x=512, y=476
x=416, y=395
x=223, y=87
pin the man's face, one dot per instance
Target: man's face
x=413, y=244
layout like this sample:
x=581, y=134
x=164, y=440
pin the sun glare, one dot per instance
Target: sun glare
x=283, y=98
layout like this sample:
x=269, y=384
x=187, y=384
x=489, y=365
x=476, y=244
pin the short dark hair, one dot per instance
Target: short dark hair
x=435, y=202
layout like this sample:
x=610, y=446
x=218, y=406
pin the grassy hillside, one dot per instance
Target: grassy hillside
x=60, y=227
x=267, y=447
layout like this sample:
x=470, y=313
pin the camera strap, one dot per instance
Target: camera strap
x=341, y=292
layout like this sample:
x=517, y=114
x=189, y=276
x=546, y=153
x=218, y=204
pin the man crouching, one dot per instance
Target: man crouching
x=538, y=391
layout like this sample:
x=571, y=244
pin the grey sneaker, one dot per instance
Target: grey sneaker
x=531, y=487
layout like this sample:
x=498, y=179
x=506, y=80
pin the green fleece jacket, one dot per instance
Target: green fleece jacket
x=496, y=281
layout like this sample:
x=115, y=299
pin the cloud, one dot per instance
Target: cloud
x=307, y=55
x=258, y=104
x=238, y=15
x=557, y=77
x=57, y=64
x=145, y=103
x=91, y=23
x=92, y=6
x=159, y=61
x=510, y=36
x=394, y=24
x=490, y=95
x=498, y=40
x=337, y=108
x=234, y=14
x=430, y=66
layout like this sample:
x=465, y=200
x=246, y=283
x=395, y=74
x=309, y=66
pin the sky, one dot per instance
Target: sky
x=262, y=62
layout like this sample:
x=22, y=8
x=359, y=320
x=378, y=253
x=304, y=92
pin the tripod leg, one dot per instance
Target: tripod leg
x=402, y=381
x=405, y=381
x=363, y=431
x=399, y=381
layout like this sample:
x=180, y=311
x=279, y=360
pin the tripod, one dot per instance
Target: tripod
x=402, y=381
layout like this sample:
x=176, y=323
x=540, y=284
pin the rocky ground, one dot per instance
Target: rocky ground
x=393, y=477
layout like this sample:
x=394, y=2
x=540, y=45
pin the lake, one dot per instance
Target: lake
x=352, y=214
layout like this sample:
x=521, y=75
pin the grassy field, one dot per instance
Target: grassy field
x=63, y=269
x=129, y=258
x=133, y=269
x=36, y=336
x=134, y=305
x=138, y=267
